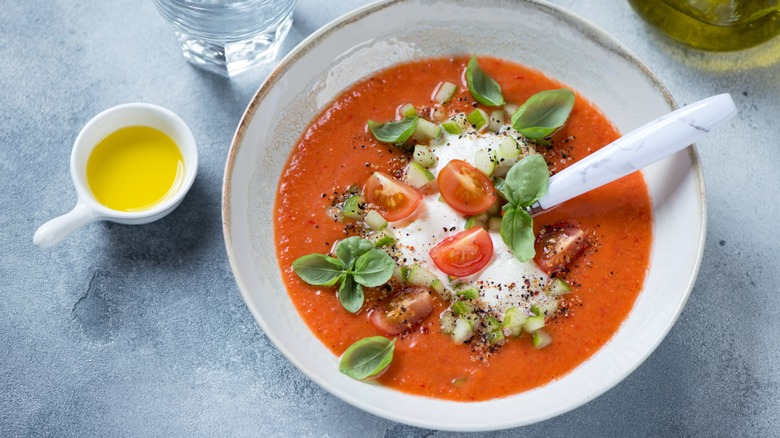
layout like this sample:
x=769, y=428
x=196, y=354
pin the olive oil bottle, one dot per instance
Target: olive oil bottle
x=713, y=24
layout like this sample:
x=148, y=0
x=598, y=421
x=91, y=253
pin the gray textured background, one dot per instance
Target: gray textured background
x=141, y=330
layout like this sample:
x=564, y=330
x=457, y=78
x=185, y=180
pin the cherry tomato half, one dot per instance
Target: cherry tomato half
x=464, y=253
x=395, y=199
x=558, y=245
x=403, y=311
x=465, y=189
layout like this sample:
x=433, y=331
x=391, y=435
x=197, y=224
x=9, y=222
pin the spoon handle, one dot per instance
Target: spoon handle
x=54, y=231
x=639, y=148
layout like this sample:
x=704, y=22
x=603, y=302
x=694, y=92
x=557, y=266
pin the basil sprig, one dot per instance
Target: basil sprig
x=525, y=183
x=393, y=132
x=357, y=264
x=483, y=87
x=367, y=357
x=543, y=113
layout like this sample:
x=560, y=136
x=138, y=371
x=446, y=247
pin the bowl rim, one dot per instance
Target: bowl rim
x=602, y=38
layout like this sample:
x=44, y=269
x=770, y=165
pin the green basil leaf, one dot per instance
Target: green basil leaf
x=543, y=113
x=318, y=269
x=483, y=87
x=367, y=357
x=393, y=132
x=374, y=268
x=501, y=187
x=349, y=249
x=517, y=231
x=527, y=180
x=350, y=294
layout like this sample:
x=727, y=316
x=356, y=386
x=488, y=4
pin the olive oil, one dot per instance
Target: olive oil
x=134, y=168
x=713, y=24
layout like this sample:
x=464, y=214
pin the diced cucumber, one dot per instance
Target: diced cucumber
x=382, y=238
x=352, y=208
x=508, y=149
x=445, y=92
x=426, y=130
x=462, y=120
x=473, y=222
x=548, y=306
x=510, y=109
x=506, y=156
x=513, y=322
x=420, y=276
x=400, y=273
x=494, y=223
x=438, y=287
x=452, y=127
x=494, y=209
x=478, y=119
x=468, y=292
x=502, y=169
x=496, y=120
x=408, y=110
x=533, y=323
x=493, y=330
x=558, y=287
x=438, y=114
x=535, y=310
x=417, y=176
x=463, y=330
x=447, y=321
x=485, y=161
x=375, y=220
x=424, y=156
x=461, y=308
x=541, y=339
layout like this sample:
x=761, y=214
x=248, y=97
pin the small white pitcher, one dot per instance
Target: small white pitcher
x=88, y=209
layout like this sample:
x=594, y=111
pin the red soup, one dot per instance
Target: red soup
x=338, y=153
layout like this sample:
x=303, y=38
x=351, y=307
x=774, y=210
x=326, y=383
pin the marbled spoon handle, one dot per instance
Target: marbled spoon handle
x=639, y=148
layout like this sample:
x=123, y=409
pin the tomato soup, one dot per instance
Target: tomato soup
x=337, y=151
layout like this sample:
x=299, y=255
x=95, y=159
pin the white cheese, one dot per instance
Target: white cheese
x=505, y=281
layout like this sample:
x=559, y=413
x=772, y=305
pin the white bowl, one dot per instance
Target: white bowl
x=532, y=33
x=88, y=209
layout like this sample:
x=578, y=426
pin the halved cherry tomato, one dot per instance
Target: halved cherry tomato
x=465, y=189
x=558, y=245
x=403, y=311
x=464, y=253
x=395, y=199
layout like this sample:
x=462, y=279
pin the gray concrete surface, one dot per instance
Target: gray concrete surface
x=141, y=331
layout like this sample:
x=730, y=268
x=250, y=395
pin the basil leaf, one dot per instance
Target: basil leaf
x=367, y=357
x=500, y=185
x=526, y=181
x=374, y=268
x=349, y=249
x=517, y=231
x=318, y=269
x=393, y=132
x=483, y=87
x=350, y=294
x=543, y=113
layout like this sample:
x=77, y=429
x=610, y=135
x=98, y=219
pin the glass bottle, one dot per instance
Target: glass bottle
x=713, y=24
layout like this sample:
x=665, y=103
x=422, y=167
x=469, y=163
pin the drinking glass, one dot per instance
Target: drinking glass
x=228, y=36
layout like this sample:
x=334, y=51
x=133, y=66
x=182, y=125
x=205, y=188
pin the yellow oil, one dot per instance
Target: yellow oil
x=134, y=168
x=719, y=25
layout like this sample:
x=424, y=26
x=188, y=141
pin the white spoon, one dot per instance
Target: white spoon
x=638, y=149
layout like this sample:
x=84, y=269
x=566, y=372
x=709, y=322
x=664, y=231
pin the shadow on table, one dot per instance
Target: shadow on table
x=183, y=235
